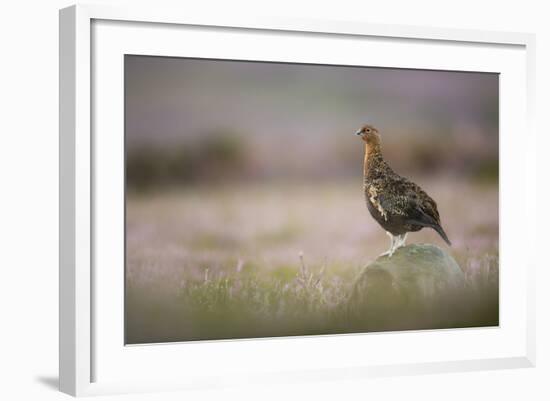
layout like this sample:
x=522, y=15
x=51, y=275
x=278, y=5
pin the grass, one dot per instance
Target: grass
x=270, y=261
x=297, y=300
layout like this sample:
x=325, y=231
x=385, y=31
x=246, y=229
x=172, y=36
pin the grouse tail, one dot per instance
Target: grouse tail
x=440, y=231
x=427, y=221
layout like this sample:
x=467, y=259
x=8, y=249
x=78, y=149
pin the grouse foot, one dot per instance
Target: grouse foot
x=395, y=243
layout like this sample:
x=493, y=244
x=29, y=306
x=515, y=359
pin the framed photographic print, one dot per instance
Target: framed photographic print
x=278, y=200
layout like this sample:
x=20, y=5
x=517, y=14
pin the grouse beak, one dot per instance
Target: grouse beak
x=358, y=132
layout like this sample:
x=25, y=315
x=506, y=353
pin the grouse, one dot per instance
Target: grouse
x=397, y=204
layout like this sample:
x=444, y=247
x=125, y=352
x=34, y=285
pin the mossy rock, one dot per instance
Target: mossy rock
x=420, y=283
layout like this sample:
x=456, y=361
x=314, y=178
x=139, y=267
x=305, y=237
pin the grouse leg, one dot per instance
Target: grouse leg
x=401, y=240
x=393, y=243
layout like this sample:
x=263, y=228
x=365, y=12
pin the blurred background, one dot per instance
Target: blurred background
x=236, y=166
x=191, y=119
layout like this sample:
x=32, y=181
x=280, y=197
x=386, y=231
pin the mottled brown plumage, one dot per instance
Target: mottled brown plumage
x=397, y=204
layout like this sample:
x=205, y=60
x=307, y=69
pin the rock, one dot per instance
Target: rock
x=420, y=286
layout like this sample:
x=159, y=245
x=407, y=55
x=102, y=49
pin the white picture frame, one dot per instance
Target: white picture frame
x=87, y=344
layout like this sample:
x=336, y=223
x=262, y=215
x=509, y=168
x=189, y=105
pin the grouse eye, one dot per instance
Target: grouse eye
x=367, y=130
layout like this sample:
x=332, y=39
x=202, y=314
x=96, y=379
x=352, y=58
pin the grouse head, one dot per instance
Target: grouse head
x=370, y=135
